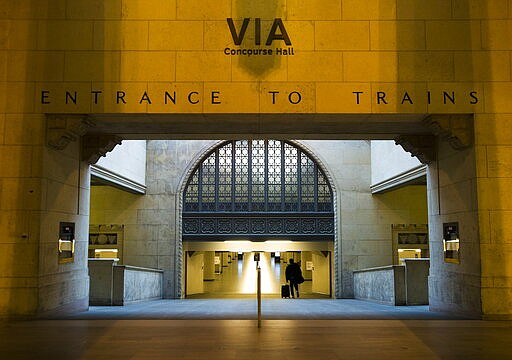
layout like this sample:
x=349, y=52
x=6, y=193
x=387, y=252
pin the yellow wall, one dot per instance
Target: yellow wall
x=339, y=47
x=48, y=47
x=410, y=201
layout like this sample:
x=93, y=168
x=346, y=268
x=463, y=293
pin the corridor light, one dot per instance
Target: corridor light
x=238, y=245
x=248, y=283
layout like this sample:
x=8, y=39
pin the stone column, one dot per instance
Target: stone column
x=41, y=187
x=452, y=197
x=66, y=181
x=209, y=265
x=225, y=258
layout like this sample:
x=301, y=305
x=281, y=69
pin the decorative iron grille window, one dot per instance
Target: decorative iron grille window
x=258, y=187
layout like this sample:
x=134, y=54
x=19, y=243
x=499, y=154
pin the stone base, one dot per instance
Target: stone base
x=74, y=307
x=497, y=317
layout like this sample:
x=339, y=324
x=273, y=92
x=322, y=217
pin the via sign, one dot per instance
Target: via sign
x=277, y=31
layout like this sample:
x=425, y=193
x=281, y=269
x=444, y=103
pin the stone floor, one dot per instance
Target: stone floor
x=242, y=339
x=219, y=324
x=271, y=308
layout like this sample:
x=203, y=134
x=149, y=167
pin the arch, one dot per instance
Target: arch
x=212, y=152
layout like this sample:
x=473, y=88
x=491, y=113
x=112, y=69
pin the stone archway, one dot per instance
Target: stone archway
x=453, y=132
x=201, y=156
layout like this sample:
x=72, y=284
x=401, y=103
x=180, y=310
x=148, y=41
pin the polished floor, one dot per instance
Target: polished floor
x=271, y=309
x=242, y=339
x=237, y=279
x=226, y=328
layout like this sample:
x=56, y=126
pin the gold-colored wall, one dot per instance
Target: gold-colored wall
x=48, y=47
x=339, y=47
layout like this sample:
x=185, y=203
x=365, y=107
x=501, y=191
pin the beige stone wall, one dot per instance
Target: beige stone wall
x=151, y=229
x=39, y=188
x=21, y=192
x=339, y=47
x=390, y=160
x=493, y=153
x=364, y=220
x=462, y=47
x=452, y=198
x=151, y=223
x=127, y=160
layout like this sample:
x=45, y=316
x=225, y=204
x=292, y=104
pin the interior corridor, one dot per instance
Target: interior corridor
x=237, y=278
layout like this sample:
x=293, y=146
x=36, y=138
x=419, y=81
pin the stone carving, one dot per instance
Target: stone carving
x=456, y=129
x=325, y=226
x=191, y=226
x=242, y=226
x=61, y=130
x=308, y=226
x=421, y=146
x=207, y=226
x=275, y=225
x=291, y=226
x=96, y=146
x=258, y=226
x=224, y=226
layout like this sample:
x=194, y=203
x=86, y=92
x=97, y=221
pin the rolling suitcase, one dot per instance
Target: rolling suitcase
x=285, y=291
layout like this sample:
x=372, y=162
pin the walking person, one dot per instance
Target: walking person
x=294, y=276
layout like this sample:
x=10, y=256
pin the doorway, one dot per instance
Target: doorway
x=227, y=274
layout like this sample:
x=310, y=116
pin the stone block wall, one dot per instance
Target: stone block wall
x=493, y=155
x=384, y=285
x=451, y=198
x=133, y=284
x=151, y=221
x=55, y=50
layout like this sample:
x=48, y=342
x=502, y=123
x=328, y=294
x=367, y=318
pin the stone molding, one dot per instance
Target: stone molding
x=63, y=129
x=400, y=179
x=300, y=226
x=96, y=146
x=457, y=130
x=421, y=146
x=117, y=179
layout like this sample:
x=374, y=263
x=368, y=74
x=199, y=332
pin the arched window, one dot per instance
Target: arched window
x=260, y=189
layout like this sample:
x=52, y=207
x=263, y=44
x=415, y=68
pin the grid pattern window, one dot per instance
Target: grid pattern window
x=258, y=176
x=208, y=183
x=241, y=176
